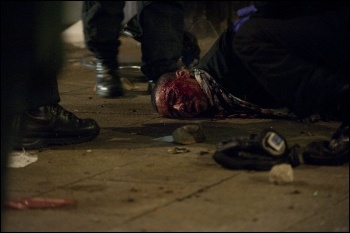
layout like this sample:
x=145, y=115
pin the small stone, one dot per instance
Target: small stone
x=281, y=174
x=189, y=134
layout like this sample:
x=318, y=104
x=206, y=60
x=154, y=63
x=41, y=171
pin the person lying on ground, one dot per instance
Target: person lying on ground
x=275, y=65
x=281, y=59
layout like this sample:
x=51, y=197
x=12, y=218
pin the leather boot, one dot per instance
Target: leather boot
x=51, y=125
x=108, y=83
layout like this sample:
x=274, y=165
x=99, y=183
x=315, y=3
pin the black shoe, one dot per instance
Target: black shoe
x=51, y=125
x=108, y=83
x=333, y=152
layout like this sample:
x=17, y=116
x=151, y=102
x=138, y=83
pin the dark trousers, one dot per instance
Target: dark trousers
x=31, y=56
x=101, y=26
x=162, y=27
x=299, y=62
x=303, y=61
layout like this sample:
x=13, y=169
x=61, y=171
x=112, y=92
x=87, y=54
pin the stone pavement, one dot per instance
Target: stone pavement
x=128, y=179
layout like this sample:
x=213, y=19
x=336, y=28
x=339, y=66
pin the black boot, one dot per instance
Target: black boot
x=51, y=125
x=330, y=153
x=336, y=150
x=108, y=83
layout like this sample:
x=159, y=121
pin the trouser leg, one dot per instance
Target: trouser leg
x=162, y=26
x=101, y=27
x=300, y=61
x=30, y=59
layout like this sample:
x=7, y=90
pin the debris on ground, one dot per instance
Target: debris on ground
x=189, y=134
x=18, y=159
x=37, y=203
x=281, y=174
x=127, y=84
x=178, y=150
